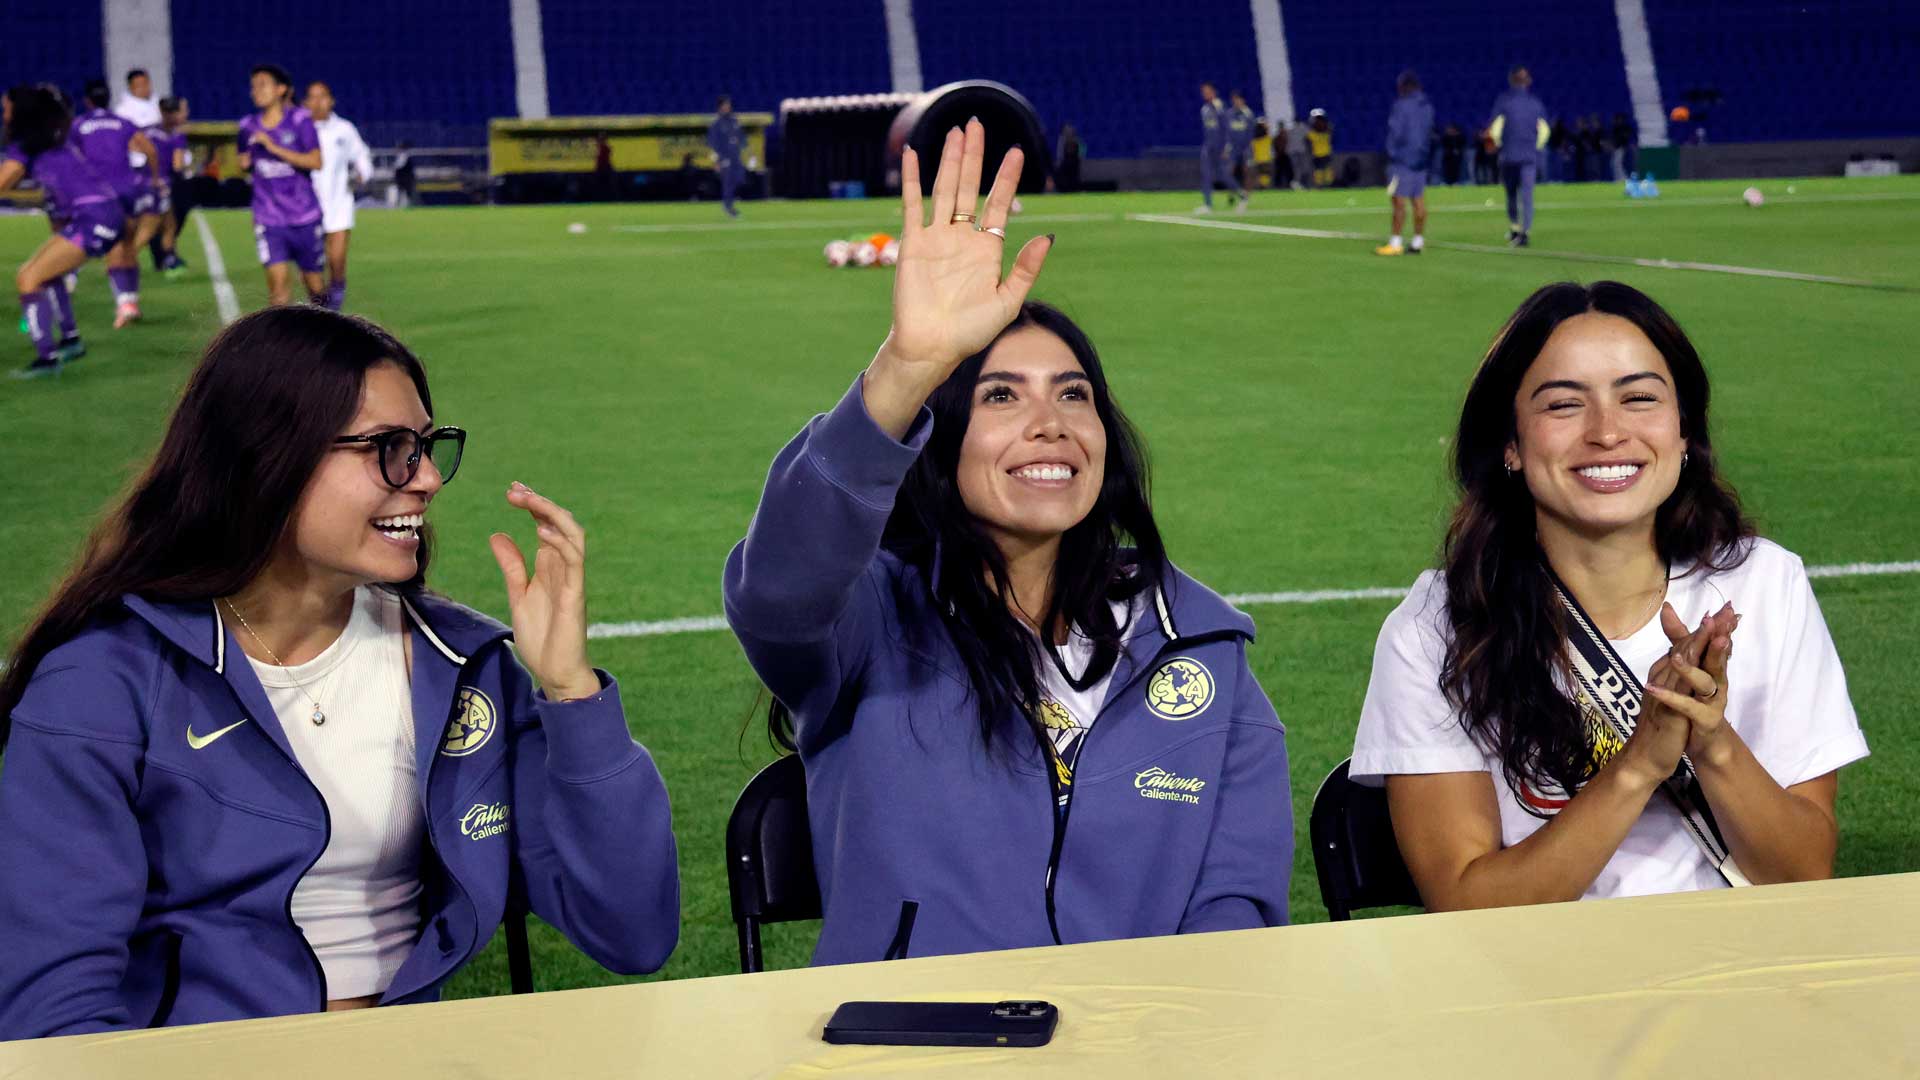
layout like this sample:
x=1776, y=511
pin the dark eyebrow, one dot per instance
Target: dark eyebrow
x=1571, y=384
x=1015, y=377
x=378, y=429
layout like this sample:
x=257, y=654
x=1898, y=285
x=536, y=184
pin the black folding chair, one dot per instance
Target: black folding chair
x=770, y=874
x=519, y=963
x=1354, y=851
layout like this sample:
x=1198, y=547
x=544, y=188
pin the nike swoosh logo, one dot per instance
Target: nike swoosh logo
x=201, y=742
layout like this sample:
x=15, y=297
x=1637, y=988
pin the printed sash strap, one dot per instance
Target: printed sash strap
x=1617, y=694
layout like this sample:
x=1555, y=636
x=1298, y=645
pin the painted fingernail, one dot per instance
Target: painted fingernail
x=1050, y=240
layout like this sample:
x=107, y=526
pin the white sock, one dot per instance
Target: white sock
x=1394, y=241
x=1419, y=241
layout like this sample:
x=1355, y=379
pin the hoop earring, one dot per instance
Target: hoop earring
x=1683, y=459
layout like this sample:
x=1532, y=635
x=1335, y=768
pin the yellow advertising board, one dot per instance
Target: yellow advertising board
x=212, y=144
x=571, y=144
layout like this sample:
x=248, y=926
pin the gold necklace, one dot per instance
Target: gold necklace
x=319, y=715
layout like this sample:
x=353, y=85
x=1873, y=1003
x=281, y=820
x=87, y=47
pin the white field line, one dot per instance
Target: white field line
x=1501, y=249
x=876, y=222
x=709, y=623
x=223, y=297
x=1498, y=204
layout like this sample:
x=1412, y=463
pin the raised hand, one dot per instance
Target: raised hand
x=550, y=606
x=949, y=297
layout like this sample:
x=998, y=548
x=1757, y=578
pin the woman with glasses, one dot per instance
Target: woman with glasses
x=257, y=768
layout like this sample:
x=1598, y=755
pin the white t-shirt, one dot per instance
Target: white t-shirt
x=1069, y=713
x=1786, y=698
x=341, y=148
x=359, y=906
x=138, y=111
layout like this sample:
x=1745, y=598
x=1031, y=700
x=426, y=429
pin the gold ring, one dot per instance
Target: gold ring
x=997, y=231
x=958, y=218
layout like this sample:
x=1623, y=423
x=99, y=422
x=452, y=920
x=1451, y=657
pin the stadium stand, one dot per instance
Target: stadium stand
x=1136, y=88
x=53, y=41
x=390, y=65
x=1126, y=79
x=604, y=60
x=1822, y=69
x=1345, y=57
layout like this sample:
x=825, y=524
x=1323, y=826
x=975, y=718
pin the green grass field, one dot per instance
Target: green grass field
x=1297, y=394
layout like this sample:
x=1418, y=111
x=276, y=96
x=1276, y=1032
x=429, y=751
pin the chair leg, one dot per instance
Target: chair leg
x=519, y=962
x=751, y=959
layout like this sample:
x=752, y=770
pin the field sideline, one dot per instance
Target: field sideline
x=1297, y=393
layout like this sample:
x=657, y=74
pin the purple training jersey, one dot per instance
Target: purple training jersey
x=103, y=139
x=70, y=183
x=167, y=143
x=282, y=194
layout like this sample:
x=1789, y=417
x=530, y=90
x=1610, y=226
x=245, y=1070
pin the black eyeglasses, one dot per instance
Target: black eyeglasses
x=402, y=448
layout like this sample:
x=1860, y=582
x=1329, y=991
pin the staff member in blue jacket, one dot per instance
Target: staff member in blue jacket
x=726, y=143
x=1409, y=139
x=1020, y=724
x=256, y=768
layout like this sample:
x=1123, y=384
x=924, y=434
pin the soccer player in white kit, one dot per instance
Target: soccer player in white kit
x=340, y=148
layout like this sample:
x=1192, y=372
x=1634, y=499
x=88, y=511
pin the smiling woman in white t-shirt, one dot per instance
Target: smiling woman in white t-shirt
x=1595, y=550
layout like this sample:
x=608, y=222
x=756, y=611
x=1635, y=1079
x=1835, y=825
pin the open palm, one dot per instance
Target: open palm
x=949, y=298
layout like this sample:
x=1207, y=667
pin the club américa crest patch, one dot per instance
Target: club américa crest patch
x=474, y=719
x=1181, y=689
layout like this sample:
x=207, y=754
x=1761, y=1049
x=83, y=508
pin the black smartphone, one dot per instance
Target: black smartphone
x=943, y=1023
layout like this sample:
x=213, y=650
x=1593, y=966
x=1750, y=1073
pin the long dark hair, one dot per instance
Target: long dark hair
x=1505, y=658
x=40, y=118
x=1113, y=554
x=258, y=413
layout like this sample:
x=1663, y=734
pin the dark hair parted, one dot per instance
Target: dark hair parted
x=41, y=118
x=272, y=71
x=1505, y=663
x=1115, y=553
x=258, y=414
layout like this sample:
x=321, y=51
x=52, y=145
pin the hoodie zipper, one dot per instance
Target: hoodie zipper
x=1061, y=815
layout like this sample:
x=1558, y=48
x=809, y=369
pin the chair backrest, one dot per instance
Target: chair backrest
x=770, y=874
x=1354, y=850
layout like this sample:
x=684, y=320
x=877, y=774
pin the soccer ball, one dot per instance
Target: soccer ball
x=838, y=252
x=890, y=255
x=1752, y=196
x=577, y=228
x=865, y=254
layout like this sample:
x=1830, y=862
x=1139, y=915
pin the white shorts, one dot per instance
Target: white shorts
x=336, y=215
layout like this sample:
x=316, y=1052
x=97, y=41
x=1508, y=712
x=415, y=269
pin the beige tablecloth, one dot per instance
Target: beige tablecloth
x=1806, y=981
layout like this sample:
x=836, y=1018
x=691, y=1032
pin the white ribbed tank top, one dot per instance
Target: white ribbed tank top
x=359, y=906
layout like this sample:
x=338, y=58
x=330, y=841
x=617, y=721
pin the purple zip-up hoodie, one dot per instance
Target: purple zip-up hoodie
x=148, y=854
x=928, y=843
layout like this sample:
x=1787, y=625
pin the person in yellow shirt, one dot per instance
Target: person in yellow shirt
x=1320, y=147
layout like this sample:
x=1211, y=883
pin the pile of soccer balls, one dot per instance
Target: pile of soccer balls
x=876, y=249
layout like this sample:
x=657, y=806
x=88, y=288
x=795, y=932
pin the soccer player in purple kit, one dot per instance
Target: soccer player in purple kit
x=281, y=147
x=91, y=220
x=108, y=142
x=169, y=137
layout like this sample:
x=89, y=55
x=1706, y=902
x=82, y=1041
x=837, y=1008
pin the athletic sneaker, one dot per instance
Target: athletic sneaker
x=70, y=349
x=125, y=314
x=1520, y=241
x=1417, y=246
x=1388, y=249
x=39, y=369
x=1240, y=207
x=1197, y=210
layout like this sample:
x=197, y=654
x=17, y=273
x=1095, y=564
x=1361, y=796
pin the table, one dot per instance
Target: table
x=1819, y=979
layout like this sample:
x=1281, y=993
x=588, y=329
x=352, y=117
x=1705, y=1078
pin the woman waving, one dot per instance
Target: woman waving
x=1020, y=724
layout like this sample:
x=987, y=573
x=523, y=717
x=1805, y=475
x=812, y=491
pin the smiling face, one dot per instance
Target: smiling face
x=350, y=524
x=1599, y=438
x=1034, y=457
x=319, y=101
